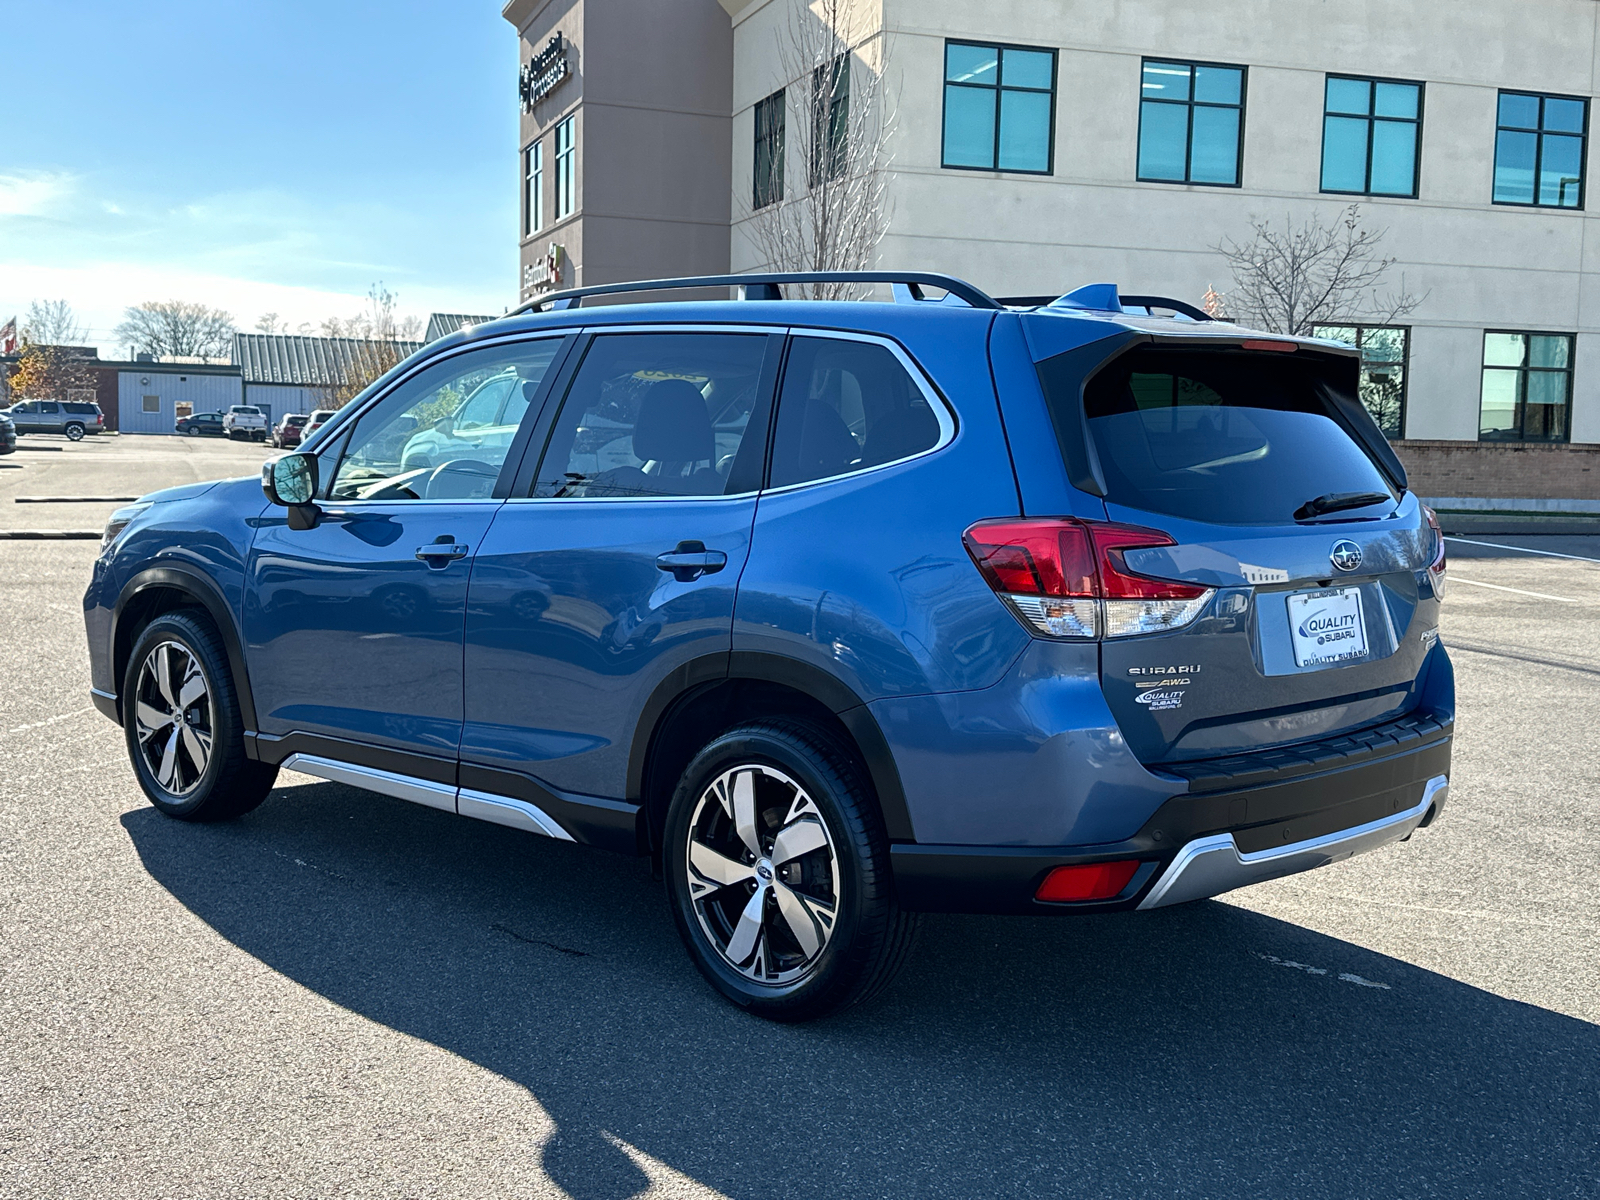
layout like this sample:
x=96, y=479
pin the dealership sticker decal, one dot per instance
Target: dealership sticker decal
x=1160, y=700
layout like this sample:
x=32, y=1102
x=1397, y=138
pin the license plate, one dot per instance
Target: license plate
x=1327, y=626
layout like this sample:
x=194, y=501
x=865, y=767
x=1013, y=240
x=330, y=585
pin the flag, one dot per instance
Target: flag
x=8, y=337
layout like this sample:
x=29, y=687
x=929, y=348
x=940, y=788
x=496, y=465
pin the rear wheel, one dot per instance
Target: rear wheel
x=778, y=870
x=74, y=432
x=180, y=718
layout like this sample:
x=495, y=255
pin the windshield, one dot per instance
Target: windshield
x=1231, y=437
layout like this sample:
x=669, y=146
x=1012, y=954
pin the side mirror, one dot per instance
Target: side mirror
x=291, y=480
x=445, y=426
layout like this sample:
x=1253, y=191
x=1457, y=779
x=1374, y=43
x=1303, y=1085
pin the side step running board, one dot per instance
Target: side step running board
x=502, y=810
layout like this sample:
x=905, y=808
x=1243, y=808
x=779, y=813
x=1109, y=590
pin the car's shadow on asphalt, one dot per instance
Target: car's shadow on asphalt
x=1202, y=1051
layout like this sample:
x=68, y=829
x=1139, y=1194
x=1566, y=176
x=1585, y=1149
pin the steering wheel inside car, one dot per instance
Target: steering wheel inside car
x=461, y=479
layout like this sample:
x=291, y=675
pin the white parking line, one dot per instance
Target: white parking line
x=1450, y=537
x=1519, y=591
x=49, y=721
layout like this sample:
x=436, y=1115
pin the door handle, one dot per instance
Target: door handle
x=441, y=550
x=689, y=560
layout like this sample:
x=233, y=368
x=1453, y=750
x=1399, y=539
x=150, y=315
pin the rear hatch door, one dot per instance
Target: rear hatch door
x=1256, y=463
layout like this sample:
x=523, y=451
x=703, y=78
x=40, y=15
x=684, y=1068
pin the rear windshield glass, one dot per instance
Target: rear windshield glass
x=1235, y=438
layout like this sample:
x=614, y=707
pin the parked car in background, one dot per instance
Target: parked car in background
x=8, y=434
x=71, y=418
x=200, y=424
x=316, y=421
x=839, y=611
x=245, y=421
x=286, y=433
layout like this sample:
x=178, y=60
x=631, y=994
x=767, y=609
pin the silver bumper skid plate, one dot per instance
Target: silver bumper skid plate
x=1212, y=865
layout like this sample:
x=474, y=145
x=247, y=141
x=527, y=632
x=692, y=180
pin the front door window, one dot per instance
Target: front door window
x=444, y=434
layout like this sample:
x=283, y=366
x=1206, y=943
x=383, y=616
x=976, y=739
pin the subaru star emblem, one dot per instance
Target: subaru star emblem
x=1346, y=555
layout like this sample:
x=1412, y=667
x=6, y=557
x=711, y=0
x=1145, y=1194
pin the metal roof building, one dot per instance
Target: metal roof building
x=285, y=373
x=440, y=324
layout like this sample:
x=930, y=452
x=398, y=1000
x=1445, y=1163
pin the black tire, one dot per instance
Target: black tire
x=867, y=937
x=228, y=784
x=74, y=432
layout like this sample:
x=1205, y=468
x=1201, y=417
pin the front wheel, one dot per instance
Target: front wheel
x=180, y=718
x=777, y=866
x=74, y=433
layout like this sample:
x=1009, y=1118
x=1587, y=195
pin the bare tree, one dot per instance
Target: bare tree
x=1291, y=279
x=178, y=328
x=837, y=124
x=52, y=323
x=376, y=340
x=271, y=323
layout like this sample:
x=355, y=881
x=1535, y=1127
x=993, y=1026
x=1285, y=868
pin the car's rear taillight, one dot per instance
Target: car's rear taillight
x=1436, y=567
x=1067, y=578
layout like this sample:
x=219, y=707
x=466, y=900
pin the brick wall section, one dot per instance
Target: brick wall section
x=1497, y=470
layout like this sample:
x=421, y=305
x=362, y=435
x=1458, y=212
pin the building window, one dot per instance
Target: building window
x=1191, y=121
x=999, y=108
x=533, y=189
x=830, y=120
x=566, y=168
x=1527, y=387
x=1539, y=150
x=769, y=150
x=153, y=403
x=1385, y=350
x=1371, y=131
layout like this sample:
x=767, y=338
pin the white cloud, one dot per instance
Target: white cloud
x=33, y=193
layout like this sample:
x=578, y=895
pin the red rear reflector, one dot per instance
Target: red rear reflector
x=1263, y=344
x=1096, y=881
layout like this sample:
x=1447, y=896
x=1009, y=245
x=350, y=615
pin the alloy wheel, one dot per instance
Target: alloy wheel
x=173, y=717
x=763, y=874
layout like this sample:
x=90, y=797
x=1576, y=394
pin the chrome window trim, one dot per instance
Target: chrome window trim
x=942, y=410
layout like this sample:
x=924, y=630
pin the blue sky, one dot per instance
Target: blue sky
x=257, y=157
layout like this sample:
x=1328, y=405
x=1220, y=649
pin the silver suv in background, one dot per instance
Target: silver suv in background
x=73, y=418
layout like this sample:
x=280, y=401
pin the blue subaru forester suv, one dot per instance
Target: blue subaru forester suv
x=842, y=611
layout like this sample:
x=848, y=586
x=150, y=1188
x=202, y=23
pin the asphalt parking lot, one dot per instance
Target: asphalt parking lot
x=345, y=995
x=51, y=469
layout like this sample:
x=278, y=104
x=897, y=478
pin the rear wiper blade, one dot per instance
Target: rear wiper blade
x=1338, y=502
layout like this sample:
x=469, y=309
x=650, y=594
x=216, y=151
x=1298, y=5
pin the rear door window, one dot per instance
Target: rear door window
x=660, y=414
x=847, y=406
x=1236, y=438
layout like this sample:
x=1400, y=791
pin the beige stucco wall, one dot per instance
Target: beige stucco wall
x=651, y=91
x=1480, y=266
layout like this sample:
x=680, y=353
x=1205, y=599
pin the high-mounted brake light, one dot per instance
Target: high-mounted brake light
x=1264, y=344
x=1068, y=578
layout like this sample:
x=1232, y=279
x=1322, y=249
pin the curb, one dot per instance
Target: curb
x=73, y=499
x=49, y=535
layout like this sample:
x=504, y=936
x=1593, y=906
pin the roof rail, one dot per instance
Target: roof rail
x=1177, y=306
x=764, y=287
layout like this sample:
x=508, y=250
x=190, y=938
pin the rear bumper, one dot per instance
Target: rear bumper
x=1200, y=843
x=1212, y=865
